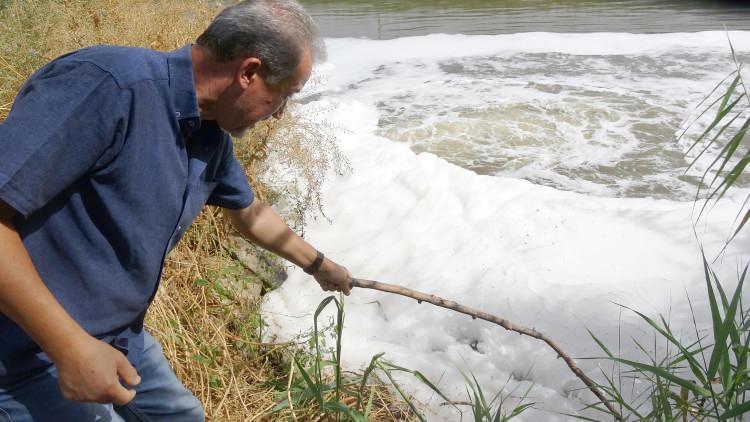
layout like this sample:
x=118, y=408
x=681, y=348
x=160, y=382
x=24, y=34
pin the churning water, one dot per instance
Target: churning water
x=595, y=112
x=443, y=108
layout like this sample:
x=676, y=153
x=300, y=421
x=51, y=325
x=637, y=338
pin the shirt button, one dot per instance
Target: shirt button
x=177, y=114
x=179, y=228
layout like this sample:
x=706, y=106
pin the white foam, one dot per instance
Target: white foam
x=545, y=258
x=444, y=46
x=557, y=109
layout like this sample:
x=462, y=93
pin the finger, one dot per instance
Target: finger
x=121, y=395
x=343, y=288
x=348, y=282
x=127, y=372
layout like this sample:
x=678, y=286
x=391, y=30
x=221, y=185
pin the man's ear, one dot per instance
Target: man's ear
x=247, y=71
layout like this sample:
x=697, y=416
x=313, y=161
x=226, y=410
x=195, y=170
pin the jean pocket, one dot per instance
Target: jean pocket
x=5, y=416
x=131, y=413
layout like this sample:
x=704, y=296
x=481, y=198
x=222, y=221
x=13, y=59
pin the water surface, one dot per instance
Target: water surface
x=554, y=92
x=393, y=19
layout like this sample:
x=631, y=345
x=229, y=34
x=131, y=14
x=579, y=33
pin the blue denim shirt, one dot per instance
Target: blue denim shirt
x=107, y=162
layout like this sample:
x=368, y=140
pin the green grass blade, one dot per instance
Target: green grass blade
x=720, y=115
x=666, y=333
x=499, y=416
x=601, y=345
x=522, y=407
x=423, y=379
x=368, y=408
x=685, y=354
x=339, y=336
x=661, y=372
x=737, y=411
x=280, y=406
x=728, y=150
x=729, y=92
x=717, y=322
x=478, y=391
x=713, y=303
x=581, y=418
x=334, y=406
x=418, y=375
x=742, y=223
x=709, y=107
x=720, y=346
x=722, y=293
x=734, y=333
x=323, y=304
x=403, y=395
x=318, y=357
x=708, y=146
x=617, y=397
x=314, y=388
x=366, y=375
x=731, y=178
x=664, y=400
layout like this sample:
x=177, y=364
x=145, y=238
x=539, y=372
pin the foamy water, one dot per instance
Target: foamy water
x=592, y=113
x=534, y=176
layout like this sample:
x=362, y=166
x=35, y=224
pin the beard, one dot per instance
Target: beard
x=239, y=133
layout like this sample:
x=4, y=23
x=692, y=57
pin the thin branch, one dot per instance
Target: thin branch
x=289, y=387
x=508, y=325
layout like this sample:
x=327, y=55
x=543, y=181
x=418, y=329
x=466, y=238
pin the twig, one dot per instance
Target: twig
x=457, y=403
x=289, y=387
x=474, y=313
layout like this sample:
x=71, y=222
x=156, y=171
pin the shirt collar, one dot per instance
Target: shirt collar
x=182, y=85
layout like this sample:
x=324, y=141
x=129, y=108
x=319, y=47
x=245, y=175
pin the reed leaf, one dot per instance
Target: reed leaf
x=311, y=385
x=736, y=411
x=720, y=346
x=695, y=367
x=663, y=373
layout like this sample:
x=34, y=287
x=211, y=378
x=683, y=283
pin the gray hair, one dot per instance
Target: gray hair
x=275, y=31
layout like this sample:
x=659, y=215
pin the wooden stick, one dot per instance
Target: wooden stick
x=510, y=326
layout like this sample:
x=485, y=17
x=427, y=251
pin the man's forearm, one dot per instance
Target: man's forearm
x=25, y=299
x=264, y=227
x=88, y=369
x=260, y=224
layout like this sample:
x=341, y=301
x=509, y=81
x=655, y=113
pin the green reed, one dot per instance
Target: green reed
x=707, y=378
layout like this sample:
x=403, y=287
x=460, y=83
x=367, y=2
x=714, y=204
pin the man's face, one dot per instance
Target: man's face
x=251, y=99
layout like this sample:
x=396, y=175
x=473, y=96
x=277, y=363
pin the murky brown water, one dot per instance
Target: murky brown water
x=393, y=19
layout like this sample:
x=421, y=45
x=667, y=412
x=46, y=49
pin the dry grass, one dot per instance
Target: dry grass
x=294, y=160
x=207, y=326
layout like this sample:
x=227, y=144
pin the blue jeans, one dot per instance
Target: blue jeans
x=159, y=397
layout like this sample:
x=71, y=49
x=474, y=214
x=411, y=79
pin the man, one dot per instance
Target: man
x=106, y=157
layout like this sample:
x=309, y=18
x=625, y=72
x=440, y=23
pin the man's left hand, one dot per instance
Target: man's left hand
x=333, y=277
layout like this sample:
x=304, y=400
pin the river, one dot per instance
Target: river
x=520, y=157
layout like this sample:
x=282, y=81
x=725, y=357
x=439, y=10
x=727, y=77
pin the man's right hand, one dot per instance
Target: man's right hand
x=94, y=371
x=89, y=369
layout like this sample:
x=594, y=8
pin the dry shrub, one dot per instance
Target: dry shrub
x=293, y=158
x=38, y=31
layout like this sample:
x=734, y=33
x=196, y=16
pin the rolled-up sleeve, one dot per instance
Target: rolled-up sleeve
x=233, y=190
x=65, y=121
